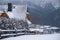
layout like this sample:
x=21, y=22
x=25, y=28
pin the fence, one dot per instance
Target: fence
x=12, y=33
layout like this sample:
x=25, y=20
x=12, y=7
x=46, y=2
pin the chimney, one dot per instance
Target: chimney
x=9, y=6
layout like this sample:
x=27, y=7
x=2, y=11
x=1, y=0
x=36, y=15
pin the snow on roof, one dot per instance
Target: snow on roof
x=19, y=12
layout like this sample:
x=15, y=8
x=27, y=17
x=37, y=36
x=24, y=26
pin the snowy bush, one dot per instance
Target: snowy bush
x=11, y=23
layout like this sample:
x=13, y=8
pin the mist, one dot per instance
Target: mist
x=56, y=3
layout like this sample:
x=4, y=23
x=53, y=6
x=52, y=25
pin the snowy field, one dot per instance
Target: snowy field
x=36, y=37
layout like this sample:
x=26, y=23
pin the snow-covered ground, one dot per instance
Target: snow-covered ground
x=36, y=37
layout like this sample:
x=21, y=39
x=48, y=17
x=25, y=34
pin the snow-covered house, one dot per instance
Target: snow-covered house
x=15, y=11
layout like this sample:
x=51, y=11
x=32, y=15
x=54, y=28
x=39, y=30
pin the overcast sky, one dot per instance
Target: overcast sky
x=56, y=3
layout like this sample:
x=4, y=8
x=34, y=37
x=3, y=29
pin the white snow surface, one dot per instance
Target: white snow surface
x=29, y=22
x=40, y=30
x=36, y=37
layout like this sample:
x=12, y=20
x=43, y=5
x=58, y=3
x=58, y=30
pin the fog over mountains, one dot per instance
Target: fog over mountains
x=48, y=15
x=44, y=12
